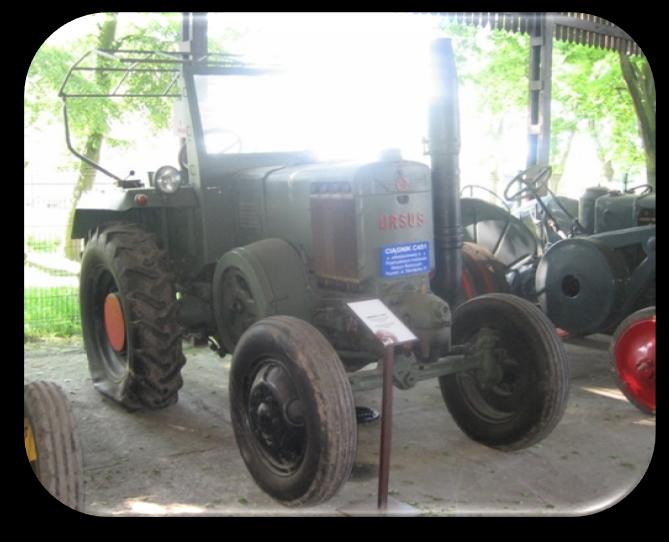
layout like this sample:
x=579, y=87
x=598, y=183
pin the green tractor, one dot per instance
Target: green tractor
x=259, y=250
x=589, y=264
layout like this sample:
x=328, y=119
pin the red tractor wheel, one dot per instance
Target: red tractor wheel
x=633, y=357
x=481, y=272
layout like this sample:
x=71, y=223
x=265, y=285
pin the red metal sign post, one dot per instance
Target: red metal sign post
x=390, y=331
x=386, y=424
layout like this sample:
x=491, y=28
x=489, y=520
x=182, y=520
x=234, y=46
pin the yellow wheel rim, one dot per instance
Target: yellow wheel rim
x=29, y=439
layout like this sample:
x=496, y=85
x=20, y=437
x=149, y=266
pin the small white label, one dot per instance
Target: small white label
x=387, y=327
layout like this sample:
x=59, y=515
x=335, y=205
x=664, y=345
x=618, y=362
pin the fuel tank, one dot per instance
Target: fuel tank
x=617, y=211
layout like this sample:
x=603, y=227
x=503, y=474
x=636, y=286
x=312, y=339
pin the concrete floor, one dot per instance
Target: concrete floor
x=184, y=461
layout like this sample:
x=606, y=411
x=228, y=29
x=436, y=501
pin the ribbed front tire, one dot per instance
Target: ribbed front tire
x=292, y=411
x=524, y=397
x=52, y=442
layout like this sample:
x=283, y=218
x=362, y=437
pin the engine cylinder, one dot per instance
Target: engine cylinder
x=586, y=207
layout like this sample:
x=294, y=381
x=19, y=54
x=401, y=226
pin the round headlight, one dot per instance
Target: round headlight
x=167, y=179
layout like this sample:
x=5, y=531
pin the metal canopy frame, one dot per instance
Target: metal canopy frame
x=544, y=28
x=124, y=63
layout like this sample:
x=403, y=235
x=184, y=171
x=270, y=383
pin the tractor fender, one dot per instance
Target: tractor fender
x=269, y=278
x=114, y=204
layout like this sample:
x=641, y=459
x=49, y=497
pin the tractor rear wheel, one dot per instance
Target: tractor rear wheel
x=52, y=442
x=633, y=358
x=292, y=411
x=482, y=273
x=518, y=396
x=128, y=321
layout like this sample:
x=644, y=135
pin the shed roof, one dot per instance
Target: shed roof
x=573, y=27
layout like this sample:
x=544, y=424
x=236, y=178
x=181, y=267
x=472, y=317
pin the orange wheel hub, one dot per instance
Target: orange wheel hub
x=114, y=322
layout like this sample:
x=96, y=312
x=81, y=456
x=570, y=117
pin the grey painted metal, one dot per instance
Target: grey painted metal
x=540, y=83
x=581, y=285
x=195, y=31
x=586, y=207
x=275, y=275
x=615, y=210
x=407, y=373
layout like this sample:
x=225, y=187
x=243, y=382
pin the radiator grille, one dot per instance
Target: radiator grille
x=333, y=226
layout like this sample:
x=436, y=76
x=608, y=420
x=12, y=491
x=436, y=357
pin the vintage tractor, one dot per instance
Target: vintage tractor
x=260, y=251
x=589, y=264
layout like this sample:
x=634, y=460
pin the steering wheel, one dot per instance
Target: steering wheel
x=222, y=140
x=471, y=188
x=533, y=178
x=222, y=137
x=648, y=189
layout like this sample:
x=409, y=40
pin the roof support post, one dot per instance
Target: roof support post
x=541, y=55
x=194, y=32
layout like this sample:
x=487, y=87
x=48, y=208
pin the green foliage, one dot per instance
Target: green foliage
x=39, y=244
x=51, y=311
x=94, y=115
x=588, y=87
x=588, y=90
x=495, y=61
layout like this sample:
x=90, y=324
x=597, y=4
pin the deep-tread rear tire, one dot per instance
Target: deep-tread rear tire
x=529, y=399
x=482, y=273
x=281, y=365
x=52, y=442
x=125, y=259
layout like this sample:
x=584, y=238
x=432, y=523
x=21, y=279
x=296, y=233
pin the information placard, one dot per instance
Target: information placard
x=382, y=321
x=405, y=259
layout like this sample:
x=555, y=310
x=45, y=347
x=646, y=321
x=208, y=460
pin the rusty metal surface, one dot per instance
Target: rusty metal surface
x=333, y=224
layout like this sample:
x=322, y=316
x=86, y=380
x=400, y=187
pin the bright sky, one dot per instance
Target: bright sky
x=362, y=79
x=364, y=85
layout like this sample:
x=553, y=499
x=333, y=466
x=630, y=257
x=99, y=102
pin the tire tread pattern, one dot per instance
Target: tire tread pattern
x=59, y=456
x=146, y=286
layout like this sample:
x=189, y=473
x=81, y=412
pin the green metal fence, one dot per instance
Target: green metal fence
x=51, y=283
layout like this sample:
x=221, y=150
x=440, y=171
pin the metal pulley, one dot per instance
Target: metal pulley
x=580, y=284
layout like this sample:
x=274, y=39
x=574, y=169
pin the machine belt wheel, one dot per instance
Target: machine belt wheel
x=128, y=304
x=52, y=442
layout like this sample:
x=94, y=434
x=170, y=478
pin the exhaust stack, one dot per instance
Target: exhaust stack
x=444, y=146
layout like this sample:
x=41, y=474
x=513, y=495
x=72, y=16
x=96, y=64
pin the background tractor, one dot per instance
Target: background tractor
x=589, y=264
x=260, y=250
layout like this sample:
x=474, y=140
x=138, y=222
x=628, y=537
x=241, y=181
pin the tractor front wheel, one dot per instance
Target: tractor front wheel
x=519, y=392
x=292, y=411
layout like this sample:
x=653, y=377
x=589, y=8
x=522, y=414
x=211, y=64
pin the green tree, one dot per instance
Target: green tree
x=641, y=85
x=589, y=87
x=90, y=118
x=592, y=90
